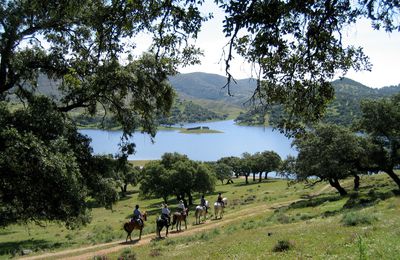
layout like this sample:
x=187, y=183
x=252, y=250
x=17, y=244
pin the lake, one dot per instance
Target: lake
x=234, y=141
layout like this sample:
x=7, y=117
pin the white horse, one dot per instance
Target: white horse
x=219, y=209
x=201, y=211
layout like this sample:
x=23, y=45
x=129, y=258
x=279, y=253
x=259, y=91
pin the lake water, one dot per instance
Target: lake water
x=234, y=141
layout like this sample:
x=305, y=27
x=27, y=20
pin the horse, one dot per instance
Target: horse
x=201, y=211
x=131, y=225
x=177, y=219
x=219, y=209
x=160, y=223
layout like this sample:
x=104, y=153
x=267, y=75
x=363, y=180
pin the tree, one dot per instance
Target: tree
x=296, y=48
x=176, y=175
x=245, y=166
x=223, y=172
x=271, y=162
x=127, y=174
x=233, y=162
x=330, y=153
x=156, y=181
x=88, y=53
x=47, y=169
x=381, y=121
x=188, y=176
x=204, y=180
x=264, y=162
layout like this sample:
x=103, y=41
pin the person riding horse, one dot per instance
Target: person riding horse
x=137, y=216
x=181, y=207
x=166, y=213
x=219, y=200
x=203, y=203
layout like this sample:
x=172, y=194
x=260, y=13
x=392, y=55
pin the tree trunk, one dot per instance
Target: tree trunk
x=266, y=176
x=190, y=199
x=254, y=176
x=335, y=183
x=356, y=182
x=125, y=187
x=394, y=176
x=260, y=177
x=247, y=176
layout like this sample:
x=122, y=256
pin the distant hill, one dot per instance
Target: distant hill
x=207, y=92
x=343, y=109
x=208, y=86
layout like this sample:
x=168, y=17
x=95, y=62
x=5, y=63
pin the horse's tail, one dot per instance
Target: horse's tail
x=126, y=227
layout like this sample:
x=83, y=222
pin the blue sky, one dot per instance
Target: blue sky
x=381, y=47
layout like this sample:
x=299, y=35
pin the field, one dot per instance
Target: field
x=268, y=220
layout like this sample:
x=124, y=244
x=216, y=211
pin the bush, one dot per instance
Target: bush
x=283, y=245
x=357, y=218
x=127, y=254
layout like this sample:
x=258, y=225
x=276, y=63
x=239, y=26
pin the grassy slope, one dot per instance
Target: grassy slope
x=314, y=226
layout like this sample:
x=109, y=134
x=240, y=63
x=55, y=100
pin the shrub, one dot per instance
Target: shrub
x=283, y=245
x=357, y=218
x=127, y=254
x=154, y=252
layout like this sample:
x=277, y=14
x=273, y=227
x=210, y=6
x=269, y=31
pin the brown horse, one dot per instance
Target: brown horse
x=131, y=225
x=177, y=219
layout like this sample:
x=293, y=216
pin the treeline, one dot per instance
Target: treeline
x=342, y=110
x=188, y=112
x=182, y=112
x=332, y=153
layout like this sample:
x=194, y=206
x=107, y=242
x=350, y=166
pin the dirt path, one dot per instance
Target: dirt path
x=107, y=248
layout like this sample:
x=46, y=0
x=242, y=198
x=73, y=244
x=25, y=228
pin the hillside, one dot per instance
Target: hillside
x=210, y=100
x=207, y=86
x=343, y=109
x=315, y=223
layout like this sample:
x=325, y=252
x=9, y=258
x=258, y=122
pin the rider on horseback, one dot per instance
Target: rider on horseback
x=203, y=202
x=137, y=215
x=181, y=207
x=219, y=200
x=165, y=213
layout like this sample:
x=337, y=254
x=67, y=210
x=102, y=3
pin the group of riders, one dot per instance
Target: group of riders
x=166, y=212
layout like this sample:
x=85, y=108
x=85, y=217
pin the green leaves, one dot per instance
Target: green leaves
x=175, y=174
x=296, y=47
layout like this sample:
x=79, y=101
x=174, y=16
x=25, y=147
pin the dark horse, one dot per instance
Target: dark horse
x=131, y=225
x=177, y=219
x=161, y=222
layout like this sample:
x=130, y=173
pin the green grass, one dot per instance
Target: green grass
x=315, y=227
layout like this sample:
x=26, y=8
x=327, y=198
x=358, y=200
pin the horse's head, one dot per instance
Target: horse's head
x=144, y=216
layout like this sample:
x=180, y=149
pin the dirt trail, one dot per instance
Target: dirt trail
x=107, y=248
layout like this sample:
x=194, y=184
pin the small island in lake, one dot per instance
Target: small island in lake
x=199, y=130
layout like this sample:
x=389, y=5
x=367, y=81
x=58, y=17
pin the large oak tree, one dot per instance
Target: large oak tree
x=87, y=48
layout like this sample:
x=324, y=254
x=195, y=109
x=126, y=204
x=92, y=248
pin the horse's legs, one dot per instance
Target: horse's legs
x=166, y=234
x=185, y=224
x=140, y=234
